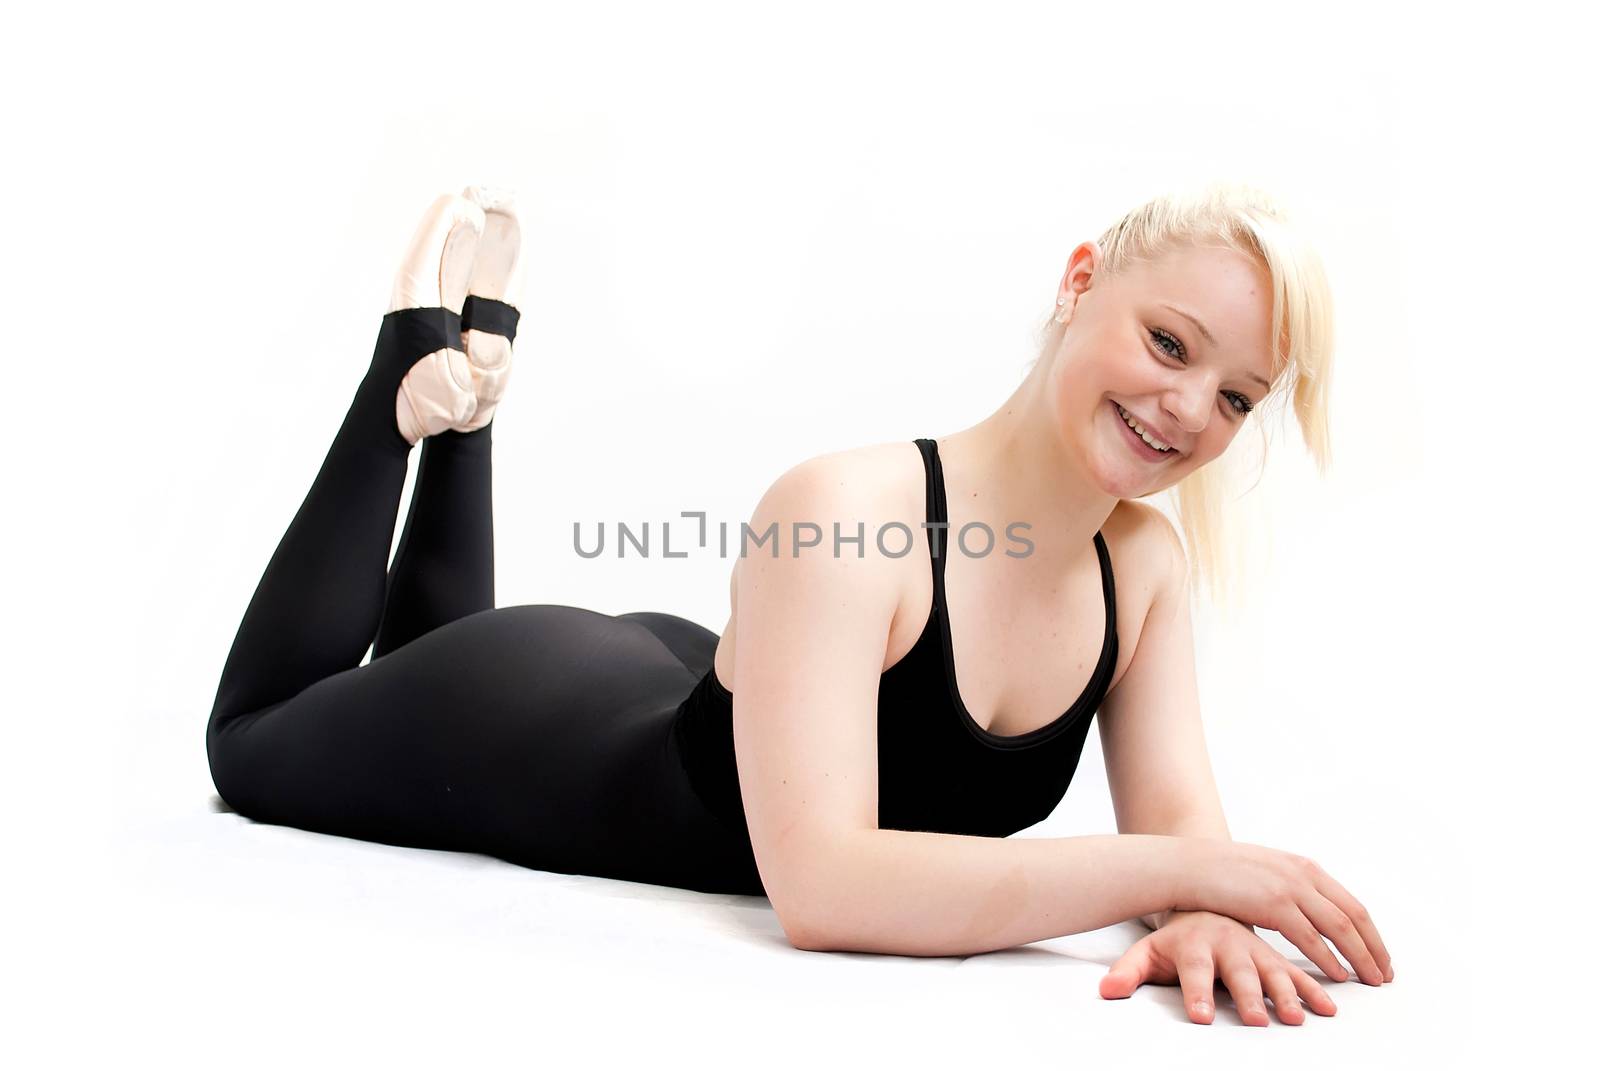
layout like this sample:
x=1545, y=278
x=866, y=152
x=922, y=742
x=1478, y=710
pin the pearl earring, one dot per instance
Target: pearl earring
x=1061, y=312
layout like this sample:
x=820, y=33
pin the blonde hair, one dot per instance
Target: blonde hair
x=1247, y=221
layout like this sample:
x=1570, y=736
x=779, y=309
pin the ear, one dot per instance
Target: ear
x=1083, y=266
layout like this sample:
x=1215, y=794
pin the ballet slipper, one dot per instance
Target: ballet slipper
x=437, y=392
x=489, y=318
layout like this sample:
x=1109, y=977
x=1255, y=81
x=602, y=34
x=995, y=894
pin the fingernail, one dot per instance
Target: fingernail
x=1202, y=1008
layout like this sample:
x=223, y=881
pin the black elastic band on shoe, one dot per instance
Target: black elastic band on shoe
x=410, y=334
x=487, y=314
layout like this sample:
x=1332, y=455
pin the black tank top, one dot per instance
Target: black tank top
x=938, y=769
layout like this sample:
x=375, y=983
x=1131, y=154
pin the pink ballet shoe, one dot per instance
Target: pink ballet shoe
x=438, y=393
x=494, y=294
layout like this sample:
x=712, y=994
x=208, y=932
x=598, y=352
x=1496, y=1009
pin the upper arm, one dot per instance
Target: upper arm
x=1150, y=727
x=811, y=636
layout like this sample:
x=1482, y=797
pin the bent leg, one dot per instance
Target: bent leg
x=444, y=568
x=316, y=607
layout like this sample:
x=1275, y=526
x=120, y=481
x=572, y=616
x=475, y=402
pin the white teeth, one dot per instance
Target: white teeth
x=1136, y=426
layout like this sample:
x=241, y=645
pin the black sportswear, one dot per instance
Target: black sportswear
x=551, y=736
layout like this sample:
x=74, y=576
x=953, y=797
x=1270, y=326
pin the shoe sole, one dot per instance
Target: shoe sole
x=438, y=392
x=496, y=275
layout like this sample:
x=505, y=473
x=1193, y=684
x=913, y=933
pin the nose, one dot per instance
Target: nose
x=1189, y=403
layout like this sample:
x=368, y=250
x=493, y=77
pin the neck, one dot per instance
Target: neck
x=1014, y=466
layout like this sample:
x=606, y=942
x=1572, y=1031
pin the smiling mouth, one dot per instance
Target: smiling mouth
x=1142, y=448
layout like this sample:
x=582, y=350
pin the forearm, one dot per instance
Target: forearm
x=936, y=894
x=1209, y=826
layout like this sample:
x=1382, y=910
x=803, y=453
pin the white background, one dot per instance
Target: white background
x=756, y=233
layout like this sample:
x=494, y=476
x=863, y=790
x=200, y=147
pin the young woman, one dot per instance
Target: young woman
x=904, y=703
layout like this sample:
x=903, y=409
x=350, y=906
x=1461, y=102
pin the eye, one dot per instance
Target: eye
x=1169, y=345
x=1160, y=337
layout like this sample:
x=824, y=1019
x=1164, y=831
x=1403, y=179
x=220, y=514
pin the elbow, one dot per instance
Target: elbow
x=804, y=926
x=815, y=934
x=805, y=938
x=816, y=907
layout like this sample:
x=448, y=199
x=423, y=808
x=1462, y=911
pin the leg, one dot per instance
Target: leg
x=542, y=734
x=539, y=734
x=318, y=603
x=444, y=567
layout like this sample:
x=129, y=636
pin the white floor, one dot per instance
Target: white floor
x=188, y=933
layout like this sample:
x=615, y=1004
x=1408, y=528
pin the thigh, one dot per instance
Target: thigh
x=536, y=733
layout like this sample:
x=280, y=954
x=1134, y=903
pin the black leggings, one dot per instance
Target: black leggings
x=539, y=734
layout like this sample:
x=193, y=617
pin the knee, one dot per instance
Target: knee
x=227, y=754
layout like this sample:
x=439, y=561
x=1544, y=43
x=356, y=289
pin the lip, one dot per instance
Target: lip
x=1139, y=446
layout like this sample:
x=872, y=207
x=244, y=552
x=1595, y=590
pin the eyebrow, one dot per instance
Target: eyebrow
x=1209, y=337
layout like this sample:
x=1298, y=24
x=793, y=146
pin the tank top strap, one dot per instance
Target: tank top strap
x=935, y=508
x=1108, y=588
x=938, y=520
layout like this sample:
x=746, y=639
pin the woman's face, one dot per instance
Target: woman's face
x=1127, y=349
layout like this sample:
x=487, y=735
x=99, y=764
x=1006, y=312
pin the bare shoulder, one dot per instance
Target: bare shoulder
x=1149, y=539
x=872, y=474
x=870, y=485
x=1147, y=559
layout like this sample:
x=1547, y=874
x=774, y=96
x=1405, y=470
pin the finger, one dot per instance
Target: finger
x=1311, y=991
x=1359, y=915
x=1279, y=986
x=1305, y=937
x=1129, y=972
x=1195, y=974
x=1238, y=972
x=1341, y=929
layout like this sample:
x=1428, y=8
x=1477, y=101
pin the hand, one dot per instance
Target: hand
x=1288, y=893
x=1195, y=947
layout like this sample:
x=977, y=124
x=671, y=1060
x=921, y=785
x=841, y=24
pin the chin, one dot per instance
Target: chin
x=1125, y=485
x=1119, y=477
